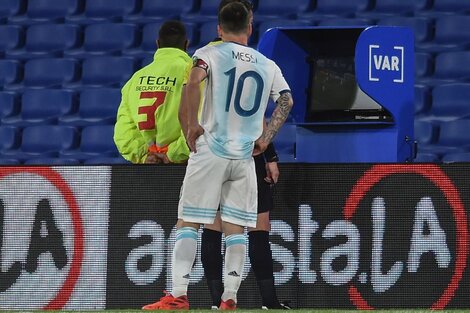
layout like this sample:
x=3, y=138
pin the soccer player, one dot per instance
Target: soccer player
x=221, y=170
x=259, y=248
x=147, y=129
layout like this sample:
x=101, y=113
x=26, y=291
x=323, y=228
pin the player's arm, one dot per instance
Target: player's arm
x=129, y=142
x=283, y=106
x=182, y=114
x=190, y=105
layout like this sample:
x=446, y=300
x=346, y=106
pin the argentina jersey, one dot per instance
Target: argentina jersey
x=240, y=81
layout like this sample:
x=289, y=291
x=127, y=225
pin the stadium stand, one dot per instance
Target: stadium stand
x=423, y=65
x=324, y=9
x=100, y=11
x=71, y=47
x=41, y=107
x=422, y=99
x=105, y=39
x=451, y=7
x=39, y=42
x=159, y=10
x=427, y=158
x=96, y=106
x=421, y=26
x=12, y=37
x=50, y=72
x=46, y=11
x=10, y=73
x=9, y=104
x=106, y=71
x=43, y=141
x=148, y=44
x=448, y=35
x=344, y=21
x=10, y=8
x=280, y=9
x=95, y=141
x=449, y=103
x=9, y=137
x=204, y=12
x=456, y=157
x=453, y=138
x=425, y=132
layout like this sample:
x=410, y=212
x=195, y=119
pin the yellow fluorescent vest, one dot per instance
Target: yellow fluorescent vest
x=148, y=112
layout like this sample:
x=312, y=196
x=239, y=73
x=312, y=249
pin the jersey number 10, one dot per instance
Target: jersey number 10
x=258, y=80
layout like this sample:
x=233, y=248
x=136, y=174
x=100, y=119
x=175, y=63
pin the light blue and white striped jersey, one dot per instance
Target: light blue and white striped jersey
x=239, y=83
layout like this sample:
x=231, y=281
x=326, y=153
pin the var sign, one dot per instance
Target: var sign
x=386, y=63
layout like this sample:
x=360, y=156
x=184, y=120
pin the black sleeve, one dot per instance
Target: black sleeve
x=270, y=154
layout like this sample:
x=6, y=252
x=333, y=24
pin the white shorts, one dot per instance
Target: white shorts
x=211, y=181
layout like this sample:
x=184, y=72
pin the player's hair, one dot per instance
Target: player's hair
x=172, y=34
x=248, y=5
x=234, y=18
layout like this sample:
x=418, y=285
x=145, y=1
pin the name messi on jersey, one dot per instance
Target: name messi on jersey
x=245, y=57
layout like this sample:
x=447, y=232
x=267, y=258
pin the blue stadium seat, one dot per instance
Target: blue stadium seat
x=207, y=12
x=9, y=138
x=147, y=59
x=280, y=9
x=456, y=157
x=448, y=35
x=97, y=106
x=265, y=25
x=427, y=158
x=11, y=72
x=96, y=141
x=337, y=8
x=425, y=132
x=51, y=161
x=455, y=133
x=149, y=39
x=9, y=104
x=9, y=161
x=452, y=6
x=40, y=42
x=50, y=72
x=43, y=141
x=207, y=33
x=100, y=11
x=110, y=71
x=422, y=99
x=41, y=107
x=449, y=102
x=345, y=21
x=383, y=8
x=423, y=65
x=422, y=27
x=47, y=11
x=159, y=10
x=104, y=39
x=452, y=66
x=12, y=38
x=452, y=138
x=106, y=161
x=10, y=8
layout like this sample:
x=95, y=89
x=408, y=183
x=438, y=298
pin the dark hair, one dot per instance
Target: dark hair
x=248, y=5
x=172, y=34
x=234, y=18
